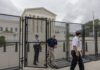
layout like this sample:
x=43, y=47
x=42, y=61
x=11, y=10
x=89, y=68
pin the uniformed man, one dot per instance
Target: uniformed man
x=76, y=52
x=37, y=48
x=52, y=44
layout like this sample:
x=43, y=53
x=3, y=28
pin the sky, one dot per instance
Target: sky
x=78, y=11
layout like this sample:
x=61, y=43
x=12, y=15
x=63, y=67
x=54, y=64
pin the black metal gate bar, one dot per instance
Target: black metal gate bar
x=25, y=41
x=83, y=40
x=22, y=28
x=96, y=41
x=67, y=41
x=20, y=42
x=46, y=34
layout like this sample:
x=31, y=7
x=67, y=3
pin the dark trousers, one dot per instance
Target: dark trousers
x=36, y=53
x=75, y=60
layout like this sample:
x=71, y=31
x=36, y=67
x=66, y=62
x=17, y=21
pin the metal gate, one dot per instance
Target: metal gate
x=9, y=44
x=29, y=28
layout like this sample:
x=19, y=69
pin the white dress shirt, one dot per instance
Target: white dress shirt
x=76, y=42
x=37, y=41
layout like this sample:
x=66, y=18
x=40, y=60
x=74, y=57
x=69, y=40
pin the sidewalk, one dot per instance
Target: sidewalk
x=94, y=65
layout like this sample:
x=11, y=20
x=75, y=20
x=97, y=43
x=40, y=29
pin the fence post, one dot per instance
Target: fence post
x=28, y=47
x=46, y=37
x=16, y=47
x=4, y=50
x=96, y=43
x=67, y=41
x=83, y=40
x=63, y=46
x=25, y=41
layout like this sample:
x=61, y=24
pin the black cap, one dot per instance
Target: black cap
x=36, y=35
x=78, y=33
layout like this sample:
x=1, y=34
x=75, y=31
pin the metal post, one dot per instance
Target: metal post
x=96, y=43
x=16, y=46
x=27, y=36
x=25, y=43
x=28, y=47
x=22, y=59
x=50, y=27
x=4, y=44
x=46, y=34
x=63, y=46
x=83, y=40
x=67, y=41
x=19, y=40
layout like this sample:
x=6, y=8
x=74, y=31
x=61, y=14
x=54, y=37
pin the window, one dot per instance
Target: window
x=11, y=29
x=6, y=29
x=16, y=29
x=1, y=28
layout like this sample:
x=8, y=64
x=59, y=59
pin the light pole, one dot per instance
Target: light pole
x=93, y=22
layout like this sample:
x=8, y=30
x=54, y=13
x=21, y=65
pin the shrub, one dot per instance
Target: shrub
x=2, y=40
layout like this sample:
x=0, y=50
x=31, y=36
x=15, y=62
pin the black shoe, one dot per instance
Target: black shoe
x=45, y=65
x=34, y=63
x=37, y=61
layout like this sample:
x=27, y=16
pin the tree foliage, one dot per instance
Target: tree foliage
x=2, y=40
x=89, y=27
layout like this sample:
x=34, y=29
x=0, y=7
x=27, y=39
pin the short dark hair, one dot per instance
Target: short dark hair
x=78, y=33
x=36, y=35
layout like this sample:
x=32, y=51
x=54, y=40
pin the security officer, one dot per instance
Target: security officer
x=37, y=48
x=52, y=43
x=76, y=52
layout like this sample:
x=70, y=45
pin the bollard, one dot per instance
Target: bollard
x=28, y=47
x=86, y=47
x=4, y=49
x=16, y=47
x=63, y=46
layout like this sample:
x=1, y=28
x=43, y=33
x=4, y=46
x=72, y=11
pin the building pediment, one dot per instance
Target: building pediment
x=40, y=10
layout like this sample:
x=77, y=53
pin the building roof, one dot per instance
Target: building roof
x=40, y=8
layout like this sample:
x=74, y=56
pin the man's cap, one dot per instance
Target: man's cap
x=36, y=35
x=78, y=32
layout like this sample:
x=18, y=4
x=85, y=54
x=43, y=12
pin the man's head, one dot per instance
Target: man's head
x=36, y=36
x=77, y=33
x=53, y=36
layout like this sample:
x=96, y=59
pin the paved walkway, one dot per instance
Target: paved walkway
x=94, y=65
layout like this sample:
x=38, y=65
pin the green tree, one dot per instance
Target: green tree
x=2, y=40
x=89, y=27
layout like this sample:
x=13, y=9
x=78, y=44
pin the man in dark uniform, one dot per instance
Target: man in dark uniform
x=52, y=44
x=37, y=49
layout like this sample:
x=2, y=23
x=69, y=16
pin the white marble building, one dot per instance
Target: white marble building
x=38, y=26
x=60, y=32
x=9, y=27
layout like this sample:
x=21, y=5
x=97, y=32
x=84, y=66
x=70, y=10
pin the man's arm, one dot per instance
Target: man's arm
x=77, y=52
x=55, y=43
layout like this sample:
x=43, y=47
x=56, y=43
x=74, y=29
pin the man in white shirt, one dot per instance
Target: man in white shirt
x=76, y=51
x=37, y=48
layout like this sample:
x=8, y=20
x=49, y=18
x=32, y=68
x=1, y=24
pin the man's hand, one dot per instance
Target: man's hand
x=55, y=46
x=77, y=53
x=81, y=52
x=42, y=42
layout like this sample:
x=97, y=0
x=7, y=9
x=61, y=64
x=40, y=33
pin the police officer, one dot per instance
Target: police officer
x=37, y=49
x=52, y=43
x=76, y=52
